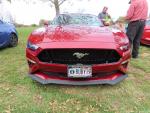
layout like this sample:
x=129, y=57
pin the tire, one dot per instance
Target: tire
x=13, y=40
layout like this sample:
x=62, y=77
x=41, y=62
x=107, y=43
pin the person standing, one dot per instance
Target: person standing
x=136, y=16
x=105, y=17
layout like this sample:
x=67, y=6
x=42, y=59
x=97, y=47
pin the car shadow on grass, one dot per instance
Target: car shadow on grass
x=3, y=48
x=145, y=45
x=76, y=86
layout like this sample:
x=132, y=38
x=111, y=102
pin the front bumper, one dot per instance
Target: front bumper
x=110, y=80
x=37, y=69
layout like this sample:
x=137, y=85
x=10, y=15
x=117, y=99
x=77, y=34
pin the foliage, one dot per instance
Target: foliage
x=58, y=3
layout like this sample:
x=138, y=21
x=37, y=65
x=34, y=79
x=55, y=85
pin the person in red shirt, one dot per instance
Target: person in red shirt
x=136, y=16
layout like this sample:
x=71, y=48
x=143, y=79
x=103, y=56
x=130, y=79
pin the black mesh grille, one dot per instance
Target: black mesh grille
x=94, y=75
x=71, y=56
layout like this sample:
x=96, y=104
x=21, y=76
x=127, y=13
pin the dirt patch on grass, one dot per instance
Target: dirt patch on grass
x=5, y=86
x=38, y=99
x=138, y=75
x=75, y=105
x=22, y=90
x=143, y=55
x=147, y=77
x=134, y=70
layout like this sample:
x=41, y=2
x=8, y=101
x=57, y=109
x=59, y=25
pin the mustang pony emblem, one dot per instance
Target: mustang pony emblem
x=80, y=55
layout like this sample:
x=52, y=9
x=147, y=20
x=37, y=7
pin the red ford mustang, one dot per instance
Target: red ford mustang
x=146, y=36
x=76, y=49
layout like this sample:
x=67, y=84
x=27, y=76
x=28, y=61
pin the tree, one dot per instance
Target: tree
x=9, y=1
x=57, y=4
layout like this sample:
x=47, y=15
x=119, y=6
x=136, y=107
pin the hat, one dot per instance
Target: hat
x=130, y=2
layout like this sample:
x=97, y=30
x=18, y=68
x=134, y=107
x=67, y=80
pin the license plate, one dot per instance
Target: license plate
x=79, y=71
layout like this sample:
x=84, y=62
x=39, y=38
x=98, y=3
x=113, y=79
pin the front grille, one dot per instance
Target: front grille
x=94, y=75
x=74, y=56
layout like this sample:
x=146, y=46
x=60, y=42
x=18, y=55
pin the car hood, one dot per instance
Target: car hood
x=73, y=33
x=8, y=28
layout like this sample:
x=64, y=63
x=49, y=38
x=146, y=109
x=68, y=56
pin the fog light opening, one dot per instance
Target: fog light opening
x=125, y=63
x=31, y=62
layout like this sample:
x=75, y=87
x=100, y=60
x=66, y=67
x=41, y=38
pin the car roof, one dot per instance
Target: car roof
x=77, y=14
x=1, y=20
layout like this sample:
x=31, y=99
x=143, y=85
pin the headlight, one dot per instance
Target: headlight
x=124, y=40
x=32, y=46
x=123, y=43
x=121, y=40
x=124, y=47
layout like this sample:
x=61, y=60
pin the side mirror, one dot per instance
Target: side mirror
x=46, y=23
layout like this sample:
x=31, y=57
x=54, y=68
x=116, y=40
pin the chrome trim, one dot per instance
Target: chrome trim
x=31, y=61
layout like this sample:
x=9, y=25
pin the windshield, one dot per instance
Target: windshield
x=148, y=22
x=77, y=19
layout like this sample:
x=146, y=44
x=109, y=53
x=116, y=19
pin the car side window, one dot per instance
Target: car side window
x=54, y=21
x=61, y=20
x=1, y=22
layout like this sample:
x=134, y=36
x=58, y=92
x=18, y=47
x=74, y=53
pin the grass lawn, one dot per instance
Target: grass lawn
x=19, y=94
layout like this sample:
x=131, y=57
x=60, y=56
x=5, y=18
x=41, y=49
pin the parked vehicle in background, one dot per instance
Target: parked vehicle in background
x=77, y=49
x=8, y=35
x=146, y=35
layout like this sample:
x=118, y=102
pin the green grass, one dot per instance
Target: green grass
x=19, y=94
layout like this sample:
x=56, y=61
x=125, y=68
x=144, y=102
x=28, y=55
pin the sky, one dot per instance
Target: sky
x=29, y=13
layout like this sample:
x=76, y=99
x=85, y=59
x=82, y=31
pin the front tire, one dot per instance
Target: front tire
x=13, y=40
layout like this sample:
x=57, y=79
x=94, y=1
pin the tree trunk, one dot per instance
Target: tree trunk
x=56, y=3
x=9, y=1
